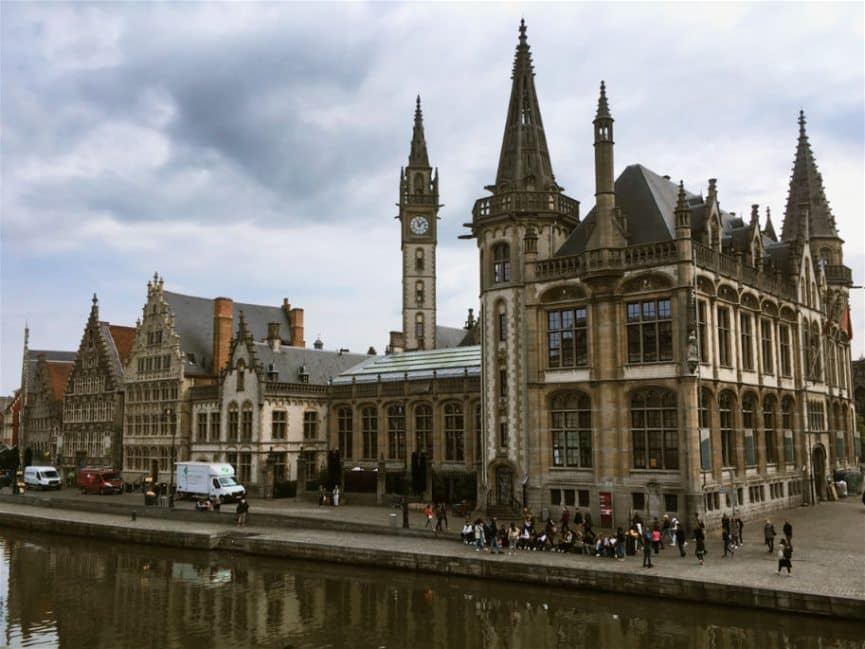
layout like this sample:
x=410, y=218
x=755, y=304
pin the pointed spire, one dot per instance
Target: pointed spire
x=603, y=107
x=524, y=161
x=683, y=210
x=418, y=157
x=769, y=230
x=806, y=187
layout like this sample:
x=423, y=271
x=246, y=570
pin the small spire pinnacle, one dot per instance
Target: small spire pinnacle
x=603, y=106
x=769, y=230
x=523, y=37
x=418, y=156
x=681, y=198
x=94, y=299
x=802, y=123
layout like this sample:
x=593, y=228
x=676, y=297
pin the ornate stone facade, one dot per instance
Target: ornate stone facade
x=660, y=355
x=93, y=401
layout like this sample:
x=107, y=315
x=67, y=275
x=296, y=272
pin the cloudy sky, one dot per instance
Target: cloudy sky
x=253, y=150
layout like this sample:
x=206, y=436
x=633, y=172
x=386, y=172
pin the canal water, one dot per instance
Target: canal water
x=58, y=591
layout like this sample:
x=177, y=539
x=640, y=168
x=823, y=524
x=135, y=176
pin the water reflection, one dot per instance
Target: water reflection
x=66, y=592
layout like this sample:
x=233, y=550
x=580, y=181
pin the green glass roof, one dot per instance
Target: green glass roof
x=456, y=361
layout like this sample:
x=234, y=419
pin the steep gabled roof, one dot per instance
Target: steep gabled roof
x=123, y=338
x=33, y=356
x=194, y=324
x=57, y=374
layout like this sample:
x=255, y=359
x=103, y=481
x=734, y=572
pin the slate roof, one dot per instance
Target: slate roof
x=57, y=375
x=458, y=361
x=321, y=365
x=448, y=337
x=193, y=321
x=648, y=200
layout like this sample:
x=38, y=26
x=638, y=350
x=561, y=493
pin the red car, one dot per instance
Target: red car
x=100, y=481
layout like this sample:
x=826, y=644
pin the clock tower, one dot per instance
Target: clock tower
x=418, y=213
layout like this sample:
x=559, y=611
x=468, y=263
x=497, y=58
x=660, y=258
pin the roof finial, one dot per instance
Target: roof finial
x=801, y=122
x=523, y=30
x=94, y=299
x=603, y=106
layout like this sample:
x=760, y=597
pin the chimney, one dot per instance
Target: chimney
x=222, y=325
x=296, y=320
x=397, y=342
x=273, y=339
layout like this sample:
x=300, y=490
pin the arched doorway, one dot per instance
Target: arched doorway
x=504, y=485
x=818, y=462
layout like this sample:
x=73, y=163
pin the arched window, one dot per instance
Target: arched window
x=654, y=430
x=246, y=422
x=418, y=259
x=454, y=432
x=418, y=327
x=345, y=431
x=396, y=432
x=787, y=407
x=418, y=183
x=571, y=428
x=726, y=403
x=241, y=375
x=233, y=422
x=418, y=291
x=705, y=408
x=749, y=424
x=770, y=432
x=369, y=432
x=501, y=263
x=423, y=427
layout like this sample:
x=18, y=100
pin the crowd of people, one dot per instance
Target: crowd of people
x=578, y=535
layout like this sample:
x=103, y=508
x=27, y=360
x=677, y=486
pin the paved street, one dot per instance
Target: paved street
x=827, y=539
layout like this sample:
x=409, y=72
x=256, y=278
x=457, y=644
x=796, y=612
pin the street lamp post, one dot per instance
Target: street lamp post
x=168, y=416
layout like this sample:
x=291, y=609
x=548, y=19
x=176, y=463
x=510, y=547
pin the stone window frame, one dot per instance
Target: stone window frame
x=310, y=424
x=278, y=423
x=345, y=431
x=396, y=431
x=501, y=263
x=233, y=422
x=424, y=427
x=571, y=433
x=649, y=324
x=369, y=432
x=654, y=429
x=570, y=323
x=246, y=425
x=453, y=428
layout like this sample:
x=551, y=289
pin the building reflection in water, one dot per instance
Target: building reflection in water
x=65, y=592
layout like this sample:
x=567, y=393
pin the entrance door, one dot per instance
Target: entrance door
x=819, y=461
x=504, y=485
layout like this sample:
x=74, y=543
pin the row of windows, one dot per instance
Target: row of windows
x=454, y=431
x=154, y=363
x=136, y=393
x=207, y=427
x=81, y=413
x=88, y=384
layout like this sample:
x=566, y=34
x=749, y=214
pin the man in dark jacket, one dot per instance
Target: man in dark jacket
x=788, y=533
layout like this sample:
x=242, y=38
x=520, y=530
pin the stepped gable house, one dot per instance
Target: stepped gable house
x=660, y=355
x=182, y=341
x=267, y=415
x=40, y=400
x=93, y=400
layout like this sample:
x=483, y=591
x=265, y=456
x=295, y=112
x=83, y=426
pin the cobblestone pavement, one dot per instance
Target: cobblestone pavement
x=828, y=542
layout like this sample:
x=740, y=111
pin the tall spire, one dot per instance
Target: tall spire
x=769, y=230
x=524, y=161
x=603, y=107
x=418, y=157
x=806, y=188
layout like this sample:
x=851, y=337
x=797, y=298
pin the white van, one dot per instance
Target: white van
x=41, y=477
x=208, y=480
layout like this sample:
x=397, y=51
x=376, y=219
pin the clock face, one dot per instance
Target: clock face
x=419, y=225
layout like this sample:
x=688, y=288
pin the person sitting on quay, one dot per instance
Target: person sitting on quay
x=566, y=541
x=468, y=533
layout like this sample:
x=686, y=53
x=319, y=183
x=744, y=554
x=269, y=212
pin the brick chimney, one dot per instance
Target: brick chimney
x=296, y=320
x=222, y=326
x=273, y=339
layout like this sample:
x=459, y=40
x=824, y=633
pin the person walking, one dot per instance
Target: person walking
x=679, y=532
x=788, y=533
x=335, y=498
x=444, y=507
x=728, y=545
x=428, y=512
x=439, y=517
x=740, y=526
x=700, y=541
x=785, y=553
x=647, y=549
x=566, y=518
x=242, y=512
x=769, y=535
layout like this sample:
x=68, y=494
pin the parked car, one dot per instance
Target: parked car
x=41, y=477
x=100, y=481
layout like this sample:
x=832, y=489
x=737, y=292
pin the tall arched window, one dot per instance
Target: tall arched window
x=749, y=424
x=246, y=422
x=454, y=432
x=726, y=403
x=345, y=432
x=423, y=428
x=571, y=429
x=418, y=259
x=233, y=422
x=501, y=263
x=770, y=432
x=654, y=431
x=418, y=326
x=396, y=432
x=419, y=293
x=369, y=432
